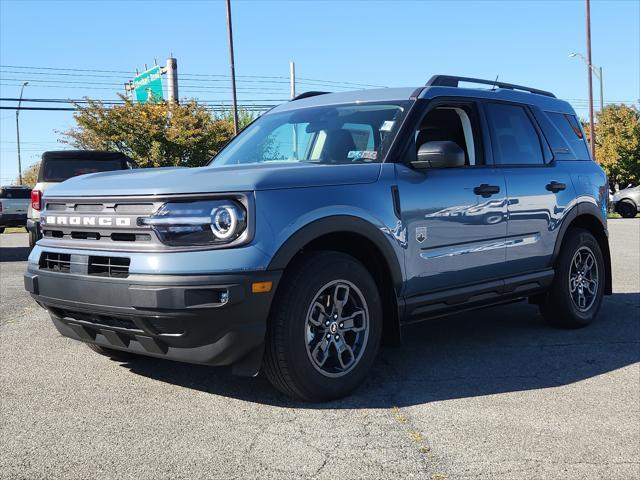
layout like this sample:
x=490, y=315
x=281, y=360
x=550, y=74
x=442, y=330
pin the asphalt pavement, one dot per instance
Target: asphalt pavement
x=492, y=394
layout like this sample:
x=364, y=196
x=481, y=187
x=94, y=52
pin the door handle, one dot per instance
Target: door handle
x=486, y=190
x=556, y=187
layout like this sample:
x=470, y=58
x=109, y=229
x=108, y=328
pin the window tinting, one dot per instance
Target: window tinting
x=61, y=170
x=514, y=138
x=15, y=193
x=572, y=133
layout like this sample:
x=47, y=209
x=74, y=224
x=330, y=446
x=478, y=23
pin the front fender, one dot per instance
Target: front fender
x=379, y=235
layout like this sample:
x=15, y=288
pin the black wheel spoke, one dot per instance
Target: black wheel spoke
x=583, y=279
x=337, y=328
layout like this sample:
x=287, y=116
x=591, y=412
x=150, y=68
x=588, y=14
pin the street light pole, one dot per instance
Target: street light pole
x=597, y=71
x=18, y=132
x=592, y=132
x=233, y=70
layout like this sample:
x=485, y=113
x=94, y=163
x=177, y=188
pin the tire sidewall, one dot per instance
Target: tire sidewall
x=323, y=269
x=626, y=209
x=580, y=239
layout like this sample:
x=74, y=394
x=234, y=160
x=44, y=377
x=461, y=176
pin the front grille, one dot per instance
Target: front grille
x=105, y=224
x=97, y=265
x=109, y=266
x=56, y=262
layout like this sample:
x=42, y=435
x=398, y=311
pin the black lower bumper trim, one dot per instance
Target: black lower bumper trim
x=212, y=320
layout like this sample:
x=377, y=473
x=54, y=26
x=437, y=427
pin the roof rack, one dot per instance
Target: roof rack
x=452, y=81
x=307, y=95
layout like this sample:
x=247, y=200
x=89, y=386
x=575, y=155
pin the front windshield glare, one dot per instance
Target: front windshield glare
x=328, y=135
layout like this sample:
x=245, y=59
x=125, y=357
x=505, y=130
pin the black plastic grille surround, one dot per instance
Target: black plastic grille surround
x=98, y=265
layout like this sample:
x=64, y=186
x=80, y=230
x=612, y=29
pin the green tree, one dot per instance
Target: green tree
x=30, y=176
x=618, y=144
x=153, y=134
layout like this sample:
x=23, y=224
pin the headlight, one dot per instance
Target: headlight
x=207, y=222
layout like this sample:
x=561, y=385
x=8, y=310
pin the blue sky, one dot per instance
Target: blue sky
x=387, y=43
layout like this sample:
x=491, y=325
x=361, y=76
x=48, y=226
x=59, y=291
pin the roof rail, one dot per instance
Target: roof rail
x=452, y=81
x=307, y=95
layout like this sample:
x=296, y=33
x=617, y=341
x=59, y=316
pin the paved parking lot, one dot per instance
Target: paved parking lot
x=486, y=395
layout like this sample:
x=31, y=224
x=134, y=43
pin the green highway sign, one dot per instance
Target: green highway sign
x=148, y=86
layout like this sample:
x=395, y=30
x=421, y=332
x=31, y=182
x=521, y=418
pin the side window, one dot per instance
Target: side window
x=456, y=124
x=572, y=132
x=513, y=136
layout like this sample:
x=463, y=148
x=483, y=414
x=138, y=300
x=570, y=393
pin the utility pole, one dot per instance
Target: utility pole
x=18, y=132
x=292, y=79
x=171, y=69
x=292, y=85
x=233, y=70
x=592, y=132
x=601, y=88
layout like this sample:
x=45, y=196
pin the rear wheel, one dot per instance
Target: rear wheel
x=325, y=328
x=626, y=209
x=578, y=286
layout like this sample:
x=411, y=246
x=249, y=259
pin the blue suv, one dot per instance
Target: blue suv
x=328, y=224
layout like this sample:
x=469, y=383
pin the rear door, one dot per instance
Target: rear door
x=454, y=218
x=539, y=189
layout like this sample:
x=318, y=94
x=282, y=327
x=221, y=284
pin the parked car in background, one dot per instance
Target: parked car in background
x=14, y=202
x=57, y=167
x=626, y=202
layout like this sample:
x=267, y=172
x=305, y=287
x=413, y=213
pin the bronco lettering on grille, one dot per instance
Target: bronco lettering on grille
x=102, y=221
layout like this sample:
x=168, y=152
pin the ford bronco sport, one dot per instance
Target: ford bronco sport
x=328, y=224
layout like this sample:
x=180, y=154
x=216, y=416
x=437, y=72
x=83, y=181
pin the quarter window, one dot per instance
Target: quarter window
x=513, y=136
x=572, y=133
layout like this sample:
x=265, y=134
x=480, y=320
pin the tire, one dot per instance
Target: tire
x=299, y=359
x=111, y=353
x=1, y=230
x=564, y=308
x=626, y=209
x=33, y=238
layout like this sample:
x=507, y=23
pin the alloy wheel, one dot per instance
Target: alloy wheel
x=337, y=328
x=583, y=279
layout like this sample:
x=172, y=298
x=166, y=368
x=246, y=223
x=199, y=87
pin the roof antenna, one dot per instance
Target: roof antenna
x=495, y=83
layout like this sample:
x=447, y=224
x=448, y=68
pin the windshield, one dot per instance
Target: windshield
x=330, y=135
x=61, y=170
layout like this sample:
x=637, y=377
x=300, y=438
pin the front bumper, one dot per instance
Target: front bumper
x=203, y=319
x=13, y=219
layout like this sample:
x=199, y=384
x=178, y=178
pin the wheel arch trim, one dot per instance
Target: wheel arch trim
x=591, y=211
x=338, y=224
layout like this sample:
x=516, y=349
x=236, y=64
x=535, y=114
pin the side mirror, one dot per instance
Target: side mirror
x=439, y=154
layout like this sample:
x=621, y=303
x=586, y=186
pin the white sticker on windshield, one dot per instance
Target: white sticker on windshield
x=363, y=155
x=387, y=126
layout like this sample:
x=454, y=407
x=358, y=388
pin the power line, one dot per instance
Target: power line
x=259, y=78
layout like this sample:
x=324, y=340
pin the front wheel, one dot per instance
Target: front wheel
x=325, y=328
x=575, y=296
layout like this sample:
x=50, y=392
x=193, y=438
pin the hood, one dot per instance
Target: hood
x=236, y=178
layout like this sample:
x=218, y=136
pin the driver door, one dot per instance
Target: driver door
x=455, y=218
